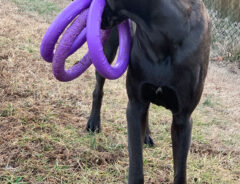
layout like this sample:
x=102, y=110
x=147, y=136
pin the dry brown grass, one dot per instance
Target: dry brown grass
x=42, y=121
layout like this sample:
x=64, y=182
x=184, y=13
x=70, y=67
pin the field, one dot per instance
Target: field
x=42, y=121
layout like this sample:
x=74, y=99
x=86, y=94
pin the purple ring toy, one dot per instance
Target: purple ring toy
x=75, y=36
x=68, y=44
x=64, y=50
x=96, y=49
x=58, y=26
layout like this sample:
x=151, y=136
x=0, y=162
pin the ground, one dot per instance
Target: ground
x=42, y=121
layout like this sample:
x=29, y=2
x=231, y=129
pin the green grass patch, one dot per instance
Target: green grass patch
x=46, y=9
x=7, y=111
x=11, y=179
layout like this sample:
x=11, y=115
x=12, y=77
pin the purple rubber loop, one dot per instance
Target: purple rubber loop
x=78, y=42
x=64, y=50
x=72, y=40
x=95, y=46
x=59, y=25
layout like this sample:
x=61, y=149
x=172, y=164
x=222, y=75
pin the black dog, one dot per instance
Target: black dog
x=168, y=66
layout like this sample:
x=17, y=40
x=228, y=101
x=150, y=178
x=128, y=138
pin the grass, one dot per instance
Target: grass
x=44, y=8
x=42, y=121
x=236, y=54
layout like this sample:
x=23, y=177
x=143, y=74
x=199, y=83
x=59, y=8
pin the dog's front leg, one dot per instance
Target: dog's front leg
x=136, y=118
x=181, y=139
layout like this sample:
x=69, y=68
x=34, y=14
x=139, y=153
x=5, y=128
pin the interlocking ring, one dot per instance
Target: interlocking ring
x=86, y=24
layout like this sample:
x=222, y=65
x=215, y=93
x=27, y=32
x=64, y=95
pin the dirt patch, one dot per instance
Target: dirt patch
x=209, y=149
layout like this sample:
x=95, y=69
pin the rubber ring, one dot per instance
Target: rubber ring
x=95, y=46
x=63, y=51
x=58, y=26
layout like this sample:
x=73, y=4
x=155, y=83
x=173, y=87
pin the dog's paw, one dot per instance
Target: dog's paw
x=148, y=140
x=93, y=125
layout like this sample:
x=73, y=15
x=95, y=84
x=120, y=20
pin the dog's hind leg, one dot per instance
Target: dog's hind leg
x=93, y=123
x=147, y=138
x=181, y=138
x=110, y=49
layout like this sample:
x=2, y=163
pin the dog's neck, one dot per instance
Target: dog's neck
x=163, y=23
